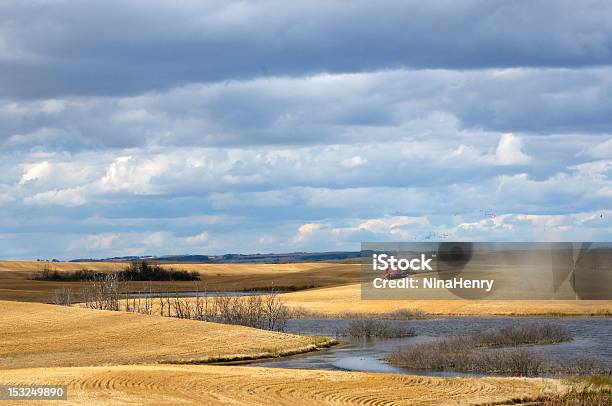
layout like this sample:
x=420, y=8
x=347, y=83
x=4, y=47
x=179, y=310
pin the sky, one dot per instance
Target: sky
x=190, y=127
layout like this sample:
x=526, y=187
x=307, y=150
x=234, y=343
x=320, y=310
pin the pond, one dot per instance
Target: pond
x=592, y=337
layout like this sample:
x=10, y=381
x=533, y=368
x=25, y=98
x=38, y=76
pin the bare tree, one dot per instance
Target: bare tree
x=102, y=292
x=63, y=296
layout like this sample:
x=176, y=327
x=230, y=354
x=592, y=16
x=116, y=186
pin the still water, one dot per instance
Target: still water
x=592, y=337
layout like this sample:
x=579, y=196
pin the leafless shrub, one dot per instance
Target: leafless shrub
x=141, y=302
x=444, y=355
x=101, y=293
x=582, y=365
x=63, y=296
x=463, y=353
x=401, y=314
x=200, y=308
x=182, y=307
x=259, y=311
x=405, y=314
x=275, y=313
x=375, y=328
x=522, y=334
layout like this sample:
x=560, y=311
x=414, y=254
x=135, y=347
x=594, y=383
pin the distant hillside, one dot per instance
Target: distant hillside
x=237, y=258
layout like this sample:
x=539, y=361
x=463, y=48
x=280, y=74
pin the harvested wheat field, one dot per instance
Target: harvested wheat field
x=347, y=299
x=210, y=384
x=16, y=277
x=123, y=358
x=37, y=335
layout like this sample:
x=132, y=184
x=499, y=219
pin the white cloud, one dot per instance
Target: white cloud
x=154, y=239
x=509, y=151
x=197, y=239
x=52, y=106
x=353, y=162
x=601, y=150
x=101, y=241
x=392, y=224
x=388, y=153
x=397, y=228
x=305, y=231
x=36, y=171
x=65, y=197
x=127, y=175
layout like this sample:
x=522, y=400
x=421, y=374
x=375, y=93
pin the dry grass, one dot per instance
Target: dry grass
x=39, y=335
x=209, y=384
x=589, y=390
x=95, y=353
x=344, y=302
x=16, y=283
x=369, y=328
x=464, y=353
x=347, y=299
x=338, y=292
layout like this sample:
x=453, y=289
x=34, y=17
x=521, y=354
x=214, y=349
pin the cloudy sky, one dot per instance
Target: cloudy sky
x=155, y=127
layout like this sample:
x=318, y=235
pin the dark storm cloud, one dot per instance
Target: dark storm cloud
x=55, y=48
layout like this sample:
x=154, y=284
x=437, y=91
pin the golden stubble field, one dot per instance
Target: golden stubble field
x=240, y=385
x=16, y=277
x=40, y=335
x=347, y=299
x=121, y=358
x=125, y=358
x=337, y=289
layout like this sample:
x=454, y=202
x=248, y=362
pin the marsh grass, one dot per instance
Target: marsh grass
x=375, y=328
x=286, y=288
x=591, y=390
x=401, y=314
x=520, y=334
x=580, y=397
x=474, y=352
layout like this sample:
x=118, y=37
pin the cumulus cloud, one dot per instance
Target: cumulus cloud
x=65, y=197
x=322, y=109
x=278, y=127
x=154, y=239
x=124, y=174
x=509, y=151
x=601, y=150
x=387, y=225
x=36, y=171
x=353, y=162
x=197, y=239
x=101, y=242
x=305, y=231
